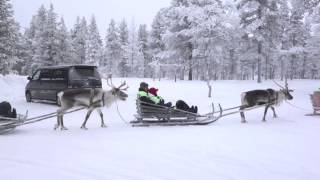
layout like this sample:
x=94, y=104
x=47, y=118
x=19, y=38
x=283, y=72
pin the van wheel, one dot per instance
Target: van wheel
x=28, y=97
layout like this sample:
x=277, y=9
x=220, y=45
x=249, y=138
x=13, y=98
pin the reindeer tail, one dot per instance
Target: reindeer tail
x=243, y=99
x=60, y=94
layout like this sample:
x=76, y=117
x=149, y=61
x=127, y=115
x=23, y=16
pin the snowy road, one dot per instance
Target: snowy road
x=286, y=148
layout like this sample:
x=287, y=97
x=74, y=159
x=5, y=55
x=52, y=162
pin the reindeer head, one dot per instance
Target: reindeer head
x=285, y=90
x=118, y=92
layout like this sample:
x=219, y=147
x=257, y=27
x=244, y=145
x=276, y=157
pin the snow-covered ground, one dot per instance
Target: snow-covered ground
x=286, y=148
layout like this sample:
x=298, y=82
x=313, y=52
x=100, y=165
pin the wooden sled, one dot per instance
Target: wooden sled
x=155, y=115
x=315, y=100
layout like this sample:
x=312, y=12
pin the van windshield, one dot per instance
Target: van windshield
x=84, y=73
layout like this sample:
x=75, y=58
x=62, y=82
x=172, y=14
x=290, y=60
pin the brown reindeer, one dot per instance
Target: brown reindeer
x=269, y=97
x=90, y=98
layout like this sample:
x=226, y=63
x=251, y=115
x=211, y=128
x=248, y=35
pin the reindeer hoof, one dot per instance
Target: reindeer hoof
x=263, y=120
x=64, y=128
x=84, y=128
x=243, y=121
x=55, y=127
x=103, y=126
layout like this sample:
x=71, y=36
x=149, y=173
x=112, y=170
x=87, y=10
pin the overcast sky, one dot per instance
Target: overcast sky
x=142, y=11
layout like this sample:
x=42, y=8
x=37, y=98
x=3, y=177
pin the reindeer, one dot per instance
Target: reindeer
x=90, y=98
x=269, y=97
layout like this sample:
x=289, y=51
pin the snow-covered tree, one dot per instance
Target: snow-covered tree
x=40, y=39
x=51, y=43
x=256, y=17
x=313, y=44
x=195, y=36
x=64, y=43
x=79, y=36
x=94, y=44
x=123, y=66
x=144, y=50
x=112, y=49
x=297, y=36
x=9, y=37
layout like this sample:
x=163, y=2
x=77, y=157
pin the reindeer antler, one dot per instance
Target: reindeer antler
x=110, y=77
x=286, y=83
x=278, y=84
x=123, y=84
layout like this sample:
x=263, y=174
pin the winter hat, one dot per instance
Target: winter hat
x=153, y=91
x=143, y=85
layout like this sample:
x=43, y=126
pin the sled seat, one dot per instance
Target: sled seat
x=315, y=99
x=147, y=111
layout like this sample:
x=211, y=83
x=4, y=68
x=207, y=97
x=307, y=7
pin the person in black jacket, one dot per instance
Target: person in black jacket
x=143, y=93
x=7, y=111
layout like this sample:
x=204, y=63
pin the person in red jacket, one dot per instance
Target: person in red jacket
x=158, y=99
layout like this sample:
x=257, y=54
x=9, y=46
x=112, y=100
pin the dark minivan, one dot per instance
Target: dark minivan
x=47, y=82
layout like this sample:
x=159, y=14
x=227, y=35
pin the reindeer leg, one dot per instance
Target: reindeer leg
x=56, y=126
x=101, y=116
x=62, y=126
x=243, y=118
x=274, y=112
x=60, y=113
x=83, y=126
x=265, y=112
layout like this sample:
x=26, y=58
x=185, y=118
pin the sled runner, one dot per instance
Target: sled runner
x=8, y=124
x=155, y=115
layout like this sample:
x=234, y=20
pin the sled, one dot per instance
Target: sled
x=315, y=100
x=156, y=115
x=8, y=124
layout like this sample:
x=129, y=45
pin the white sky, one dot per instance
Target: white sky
x=142, y=11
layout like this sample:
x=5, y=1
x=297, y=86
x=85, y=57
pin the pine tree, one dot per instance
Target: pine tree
x=8, y=37
x=123, y=66
x=112, y=49
x=133, y=51
x=193, y=26
x=51, y=43
x=296, y=35
x=144, y=50
x=157, y=45
x=29, y=45
x=94, y=44
x=64, y=45
x=313, y=44
x=79, y=36
x=40, y=39
x=254, y=18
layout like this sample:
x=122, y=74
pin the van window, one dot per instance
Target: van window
x=45, y=74
x=84, y=73
x=59, y=74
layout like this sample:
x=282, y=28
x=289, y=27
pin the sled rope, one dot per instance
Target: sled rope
x=121, y=117
x=297, y=107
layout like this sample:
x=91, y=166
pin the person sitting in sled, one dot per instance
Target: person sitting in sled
x=143, y=93
x=158, y=99
x=145, y=96
x=7, y=111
